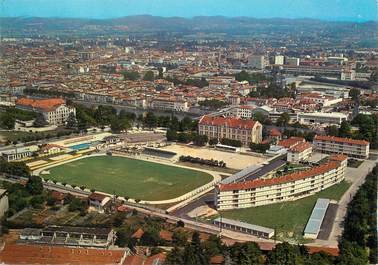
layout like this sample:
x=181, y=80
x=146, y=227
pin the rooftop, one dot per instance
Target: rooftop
x=280, y=180
x=43, y=104
x=228, y=122
x=340, y=140
x=317, y=216
x=244, y=225
x=33, y=254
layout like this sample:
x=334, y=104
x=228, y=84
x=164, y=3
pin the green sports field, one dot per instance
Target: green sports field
x=290, y=218
x=134, y=178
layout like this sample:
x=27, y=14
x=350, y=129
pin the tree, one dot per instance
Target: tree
x=332, y=130
x=119, y=218
x=149, y=76
x=37, y=201
x=171, y=135
x=174, y=257
x=184, y=137
x=213, y=246
x=104, y=114
x=354, y=93
x=344, y=130
x=7, y=121
x=122, y=237
x=285, y=254
x=150, y=237
x=40, y=121
x=200, y=140
x=231, y=142
x=150, y=120
x=71, y=122
x=246, y=253
x=14, y=168
x=213, y=141
x=119, y=124
x=77, y=205
x=131, y=75
x=242, y=76
x=259, y=148
x=352, y=253
x=185, y=124
x=283, y=120
x=161, y=74
x=180, y=238
x=34, y=185
x=212, y=104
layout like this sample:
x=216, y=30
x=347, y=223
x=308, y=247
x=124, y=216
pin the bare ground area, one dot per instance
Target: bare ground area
x=232, y=160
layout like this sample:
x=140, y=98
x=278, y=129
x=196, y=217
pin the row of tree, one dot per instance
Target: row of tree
x=367, y=129
x=19, y=169
x=10, y=115
x=358, y=244
x=259, y=148
x=196, y=252
x=231, y=142
x=212, y=104
x=187, y=137
x=201, y=161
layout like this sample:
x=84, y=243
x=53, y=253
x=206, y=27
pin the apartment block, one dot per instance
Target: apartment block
x=289, y=187
x=338, y=145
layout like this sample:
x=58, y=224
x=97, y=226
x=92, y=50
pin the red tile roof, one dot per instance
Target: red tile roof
x=229, y=122
x=138, y=234
x=218, y=259
x=267, y=246
x=275, y=132
x=134, y=260
x=338, y=157
x=340, y=140
x=300, y=147
x=332, y=251
x=43, y=104
x=33, y=254
x=94, y=196
x=158, y=257
x=165, y=235
x=292, y=141
x=280, y=180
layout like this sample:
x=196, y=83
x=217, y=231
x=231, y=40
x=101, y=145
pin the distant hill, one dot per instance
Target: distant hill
x=29, y=26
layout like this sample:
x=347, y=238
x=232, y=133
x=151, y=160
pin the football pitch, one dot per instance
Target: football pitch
x=133, y=178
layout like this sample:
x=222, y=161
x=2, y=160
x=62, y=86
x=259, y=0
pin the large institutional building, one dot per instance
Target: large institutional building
x=54, y=110
x=246, y=131
x=262, y=191
x=338, y=145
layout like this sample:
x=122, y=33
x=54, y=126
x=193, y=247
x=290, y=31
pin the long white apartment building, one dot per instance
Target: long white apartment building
x=338, y=145
x=322, y=118
x=289, y=187
x=169, y=104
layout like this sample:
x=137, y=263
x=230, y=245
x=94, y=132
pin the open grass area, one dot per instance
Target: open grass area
x=130, y=177
x=18, y=136
x=289, y=218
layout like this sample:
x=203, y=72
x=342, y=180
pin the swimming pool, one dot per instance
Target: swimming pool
x=80, y=146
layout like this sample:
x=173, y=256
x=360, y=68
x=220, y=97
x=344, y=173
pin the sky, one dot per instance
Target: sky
x=351, y=10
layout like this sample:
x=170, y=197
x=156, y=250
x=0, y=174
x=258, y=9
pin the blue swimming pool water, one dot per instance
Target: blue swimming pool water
x=80, y=146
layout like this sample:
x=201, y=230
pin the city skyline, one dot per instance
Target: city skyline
x=349, y=10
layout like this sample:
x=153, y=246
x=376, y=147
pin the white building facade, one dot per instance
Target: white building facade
x=286, y=188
